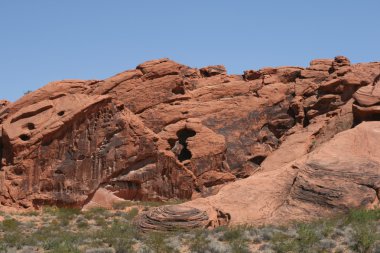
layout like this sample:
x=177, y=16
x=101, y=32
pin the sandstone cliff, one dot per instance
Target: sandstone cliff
x=258, y=147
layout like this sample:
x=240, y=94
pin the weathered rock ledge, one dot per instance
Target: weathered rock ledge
x=259, y=147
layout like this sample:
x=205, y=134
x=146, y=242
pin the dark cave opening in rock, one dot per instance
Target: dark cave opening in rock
x=179, y=90
x=172, y=142
x=30, y=126
x=257, y=159
x=24, y=137
x=61, y=113
x=183, y=135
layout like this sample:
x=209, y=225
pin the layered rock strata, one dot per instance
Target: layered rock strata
x=165, y=130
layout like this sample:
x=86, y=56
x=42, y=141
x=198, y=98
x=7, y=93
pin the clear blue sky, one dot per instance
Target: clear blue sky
x=46, y=40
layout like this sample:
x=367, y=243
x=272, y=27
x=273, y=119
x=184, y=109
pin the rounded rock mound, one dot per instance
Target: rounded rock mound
x=170, y=218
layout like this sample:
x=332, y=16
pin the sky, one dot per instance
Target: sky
x=45, y=40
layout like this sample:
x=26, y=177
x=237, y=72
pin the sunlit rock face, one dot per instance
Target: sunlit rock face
x=165, y=130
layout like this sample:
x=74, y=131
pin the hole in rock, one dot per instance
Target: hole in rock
x=178, y=90
x=257, y=159
x=58, y=171
x=61, y=113
x=18, y=171
x=172, y=142
x=182, y=135
x=24, y=137
x=365, y=117
x=30, y=126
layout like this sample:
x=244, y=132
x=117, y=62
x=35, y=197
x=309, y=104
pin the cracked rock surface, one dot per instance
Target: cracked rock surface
x=260, y=147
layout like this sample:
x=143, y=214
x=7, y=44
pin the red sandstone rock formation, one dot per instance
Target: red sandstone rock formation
x=342, y=173
x=165, y=130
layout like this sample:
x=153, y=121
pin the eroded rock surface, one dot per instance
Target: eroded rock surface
x=342, y=173
x=172, y=218
x=165, y=130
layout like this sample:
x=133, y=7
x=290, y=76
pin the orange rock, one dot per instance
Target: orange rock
x=165, y=130
x=334, y=177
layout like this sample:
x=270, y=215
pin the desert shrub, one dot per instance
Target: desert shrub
x=96, y=212
x=326, y=244
x=364, y=237
x=82, y=224
x=233, y=233
x=236, y=237
x=10, y=224
x=121, y=205
x=216, y=246
x=307, y=237
x=239, y=246
x=327, y=226
x=363, y=223
x=283, y=242
x=362, y=216
x=30, y=213
x=120, y=235
x=131, y=214
x=100, y=221
x=63, y=215
x=199, y=242
x=156, y=242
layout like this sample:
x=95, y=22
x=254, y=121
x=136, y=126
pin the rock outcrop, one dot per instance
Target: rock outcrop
x=172, y=218
x=165, y=130
x=342, y=173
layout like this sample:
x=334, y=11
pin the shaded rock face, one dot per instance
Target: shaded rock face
x=367, y=106
x=165, y=130
x=342, y=173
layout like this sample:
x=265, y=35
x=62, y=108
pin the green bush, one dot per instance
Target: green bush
x=362, y=216
x=307, y=237
x=364, y=237
x=199, y=243
x=10, y=225
x=156, y=242
x=131, y=214
x=96, y=212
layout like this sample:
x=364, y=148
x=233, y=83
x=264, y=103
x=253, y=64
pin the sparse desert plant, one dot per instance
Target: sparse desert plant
x=156, y=242
x=364, y=237
x=199, y=242
x=326, y=245
x=362, y=216
x=131, y=214
x=216, y=246
x=96, y=212
x=120, y=235
x=100, y=221
x=82, y=224
x=283, y=242
x=30, y=213
x=235, y=236
x=307, y=237
x=233, y=233
x=10, y=225
x=121, y=205
x=65, y=230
